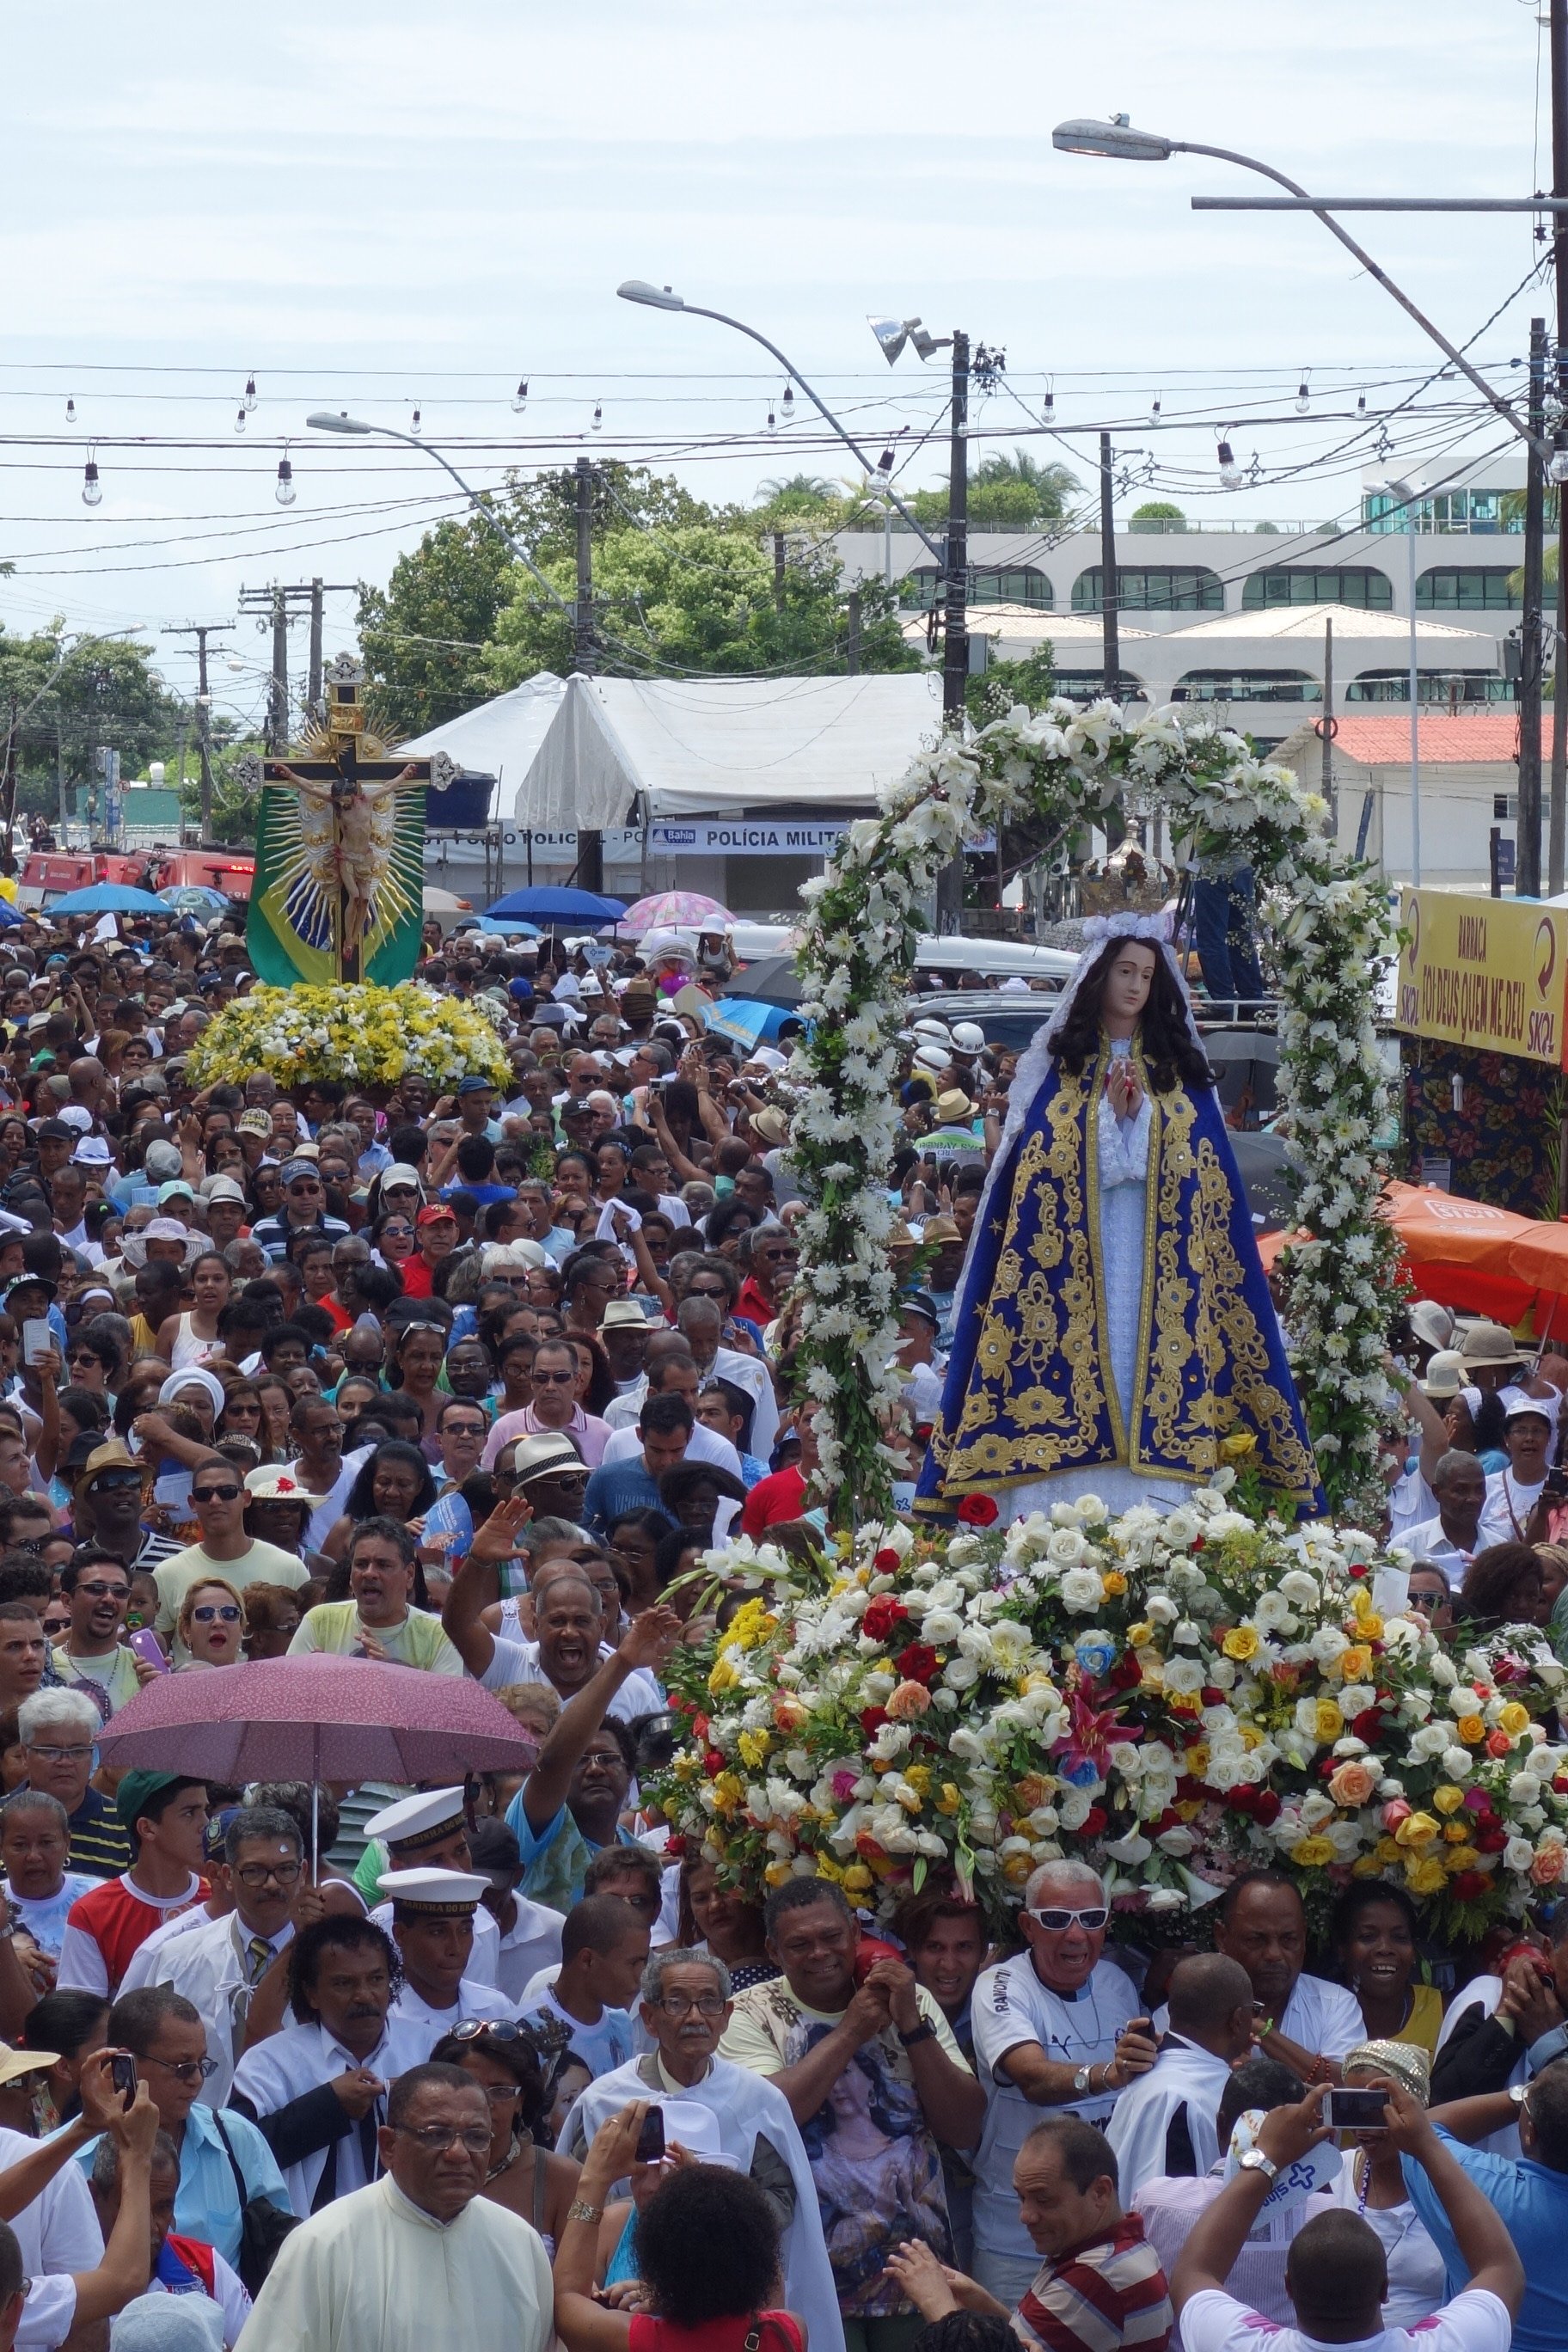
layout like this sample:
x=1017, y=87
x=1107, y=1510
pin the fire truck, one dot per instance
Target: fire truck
x=48, y=875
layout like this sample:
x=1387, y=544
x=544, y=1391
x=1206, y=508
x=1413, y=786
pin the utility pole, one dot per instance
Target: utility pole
x=852, y=648
x=1329, y=792
x=1558, y=19
x=955, y=592
x=202, y=631
x=778, y=570
x=1110, y=586
x=313, y=674
x=277, y=729
x=1527, y=856
x=277, y=606
x=590, y=843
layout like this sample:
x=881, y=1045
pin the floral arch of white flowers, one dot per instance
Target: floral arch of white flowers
x=1328, y=922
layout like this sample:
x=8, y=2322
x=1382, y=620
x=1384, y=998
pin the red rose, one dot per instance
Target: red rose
x=675, y=1846
x=1243, y=1798
x=885, y=1612
x=1200, y=1543
x=1367, y=1724
x=886, y=1562
x=1489, y=1841
x=1213, y=1696
x=872, y=1718
x=1469, y=1885
x=917, y=1664
x=1126, y=1674
x=713, y=1763
x=978, y=1511
x=1094, y=1822
x=1266, y=1808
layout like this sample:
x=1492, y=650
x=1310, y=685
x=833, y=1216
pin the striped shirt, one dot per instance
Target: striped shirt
x=1099, y=2296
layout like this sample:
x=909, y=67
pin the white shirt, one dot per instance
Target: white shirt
x=473, y=2001
x=304, y=2058
x=143, y=1965
x=1474, y=2322
x=43, y=1917
x=1012, y=2006
x=518, y=1661
x=487, y=1936
x=1427, y=1541
x=1416, y=2275
x=702, y=1445
x=58, y=2233
x=327, y=1512
x=1184, y=2078
x=1322, y=2017
x=212, y=1966
x=533, y=1942
x=602, y=2047
x=1506, y=1512
x=1410, y=1500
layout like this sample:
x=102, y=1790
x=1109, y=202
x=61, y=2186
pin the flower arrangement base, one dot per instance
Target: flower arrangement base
x=1174, y=1699
x=363, y=1036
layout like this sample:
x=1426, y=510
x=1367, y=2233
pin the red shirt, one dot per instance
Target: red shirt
x=781, y=1496
x=115, y=1917
x=415, y=1276
x=754, y=1307
x=777, y=2331
x=1110, y=2290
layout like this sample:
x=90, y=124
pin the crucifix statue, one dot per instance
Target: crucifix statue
x=340, y=848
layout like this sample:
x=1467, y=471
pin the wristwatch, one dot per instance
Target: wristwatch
x=1080, y=2080
x=924, y=2032
x=1256, y=2161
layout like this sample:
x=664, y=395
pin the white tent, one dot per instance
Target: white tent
x=578, y=751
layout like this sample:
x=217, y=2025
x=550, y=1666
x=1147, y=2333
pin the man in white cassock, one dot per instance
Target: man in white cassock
x=420, y=2259
x=1162, y=2126
x=686, y=2007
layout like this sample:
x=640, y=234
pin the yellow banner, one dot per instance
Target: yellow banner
x=1485, y=972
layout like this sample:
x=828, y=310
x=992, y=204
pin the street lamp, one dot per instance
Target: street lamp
x=1119, y=141
x=328, y=420
x=1407, y=495
x=662, y=297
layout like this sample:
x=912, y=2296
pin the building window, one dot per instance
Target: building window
x=1021, y=585
x=1441, y=688
x=1357, y=585
x=1468, y=588
x=1246, y=685
x=1505, y=807
x=1479, y=512
x=1150, y=588
x=1088, y=684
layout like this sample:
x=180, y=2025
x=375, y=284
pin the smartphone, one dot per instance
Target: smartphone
x=146, y=1646
x=38, y=1340
x=1359, y=2111
x=650, y=2139
x=122, y=2077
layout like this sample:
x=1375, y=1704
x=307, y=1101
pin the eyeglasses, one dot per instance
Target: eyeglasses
x=59, y=1755
x=1056, y=1921
x=679, y=2005
x=434, y=2137
x=224, y=1612
x=187, y=2070
x=257, y=1874
x=488, y=2029
x=225, y=1493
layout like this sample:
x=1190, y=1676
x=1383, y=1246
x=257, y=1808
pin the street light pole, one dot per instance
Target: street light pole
x=1408, y=496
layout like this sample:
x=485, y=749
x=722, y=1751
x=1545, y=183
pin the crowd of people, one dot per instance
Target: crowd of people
x=468, y=1383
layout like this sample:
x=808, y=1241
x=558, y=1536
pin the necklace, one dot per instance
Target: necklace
x=515, y=2150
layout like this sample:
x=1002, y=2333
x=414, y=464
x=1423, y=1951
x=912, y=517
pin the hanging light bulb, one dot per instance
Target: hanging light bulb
x=1048, y=414
x=250, y=391
x=885, y=464
x=1230, y=473
x=1303, y=397
x=1360, y=404
x=519, y=397
x=239, y=420
x=772, y=422
x=414, y=420
x=787, y=402
x=91, y=488
x=1155, y=411
x=70, y=412
x=1557, y=464
x=284, y=493
x=598, y=416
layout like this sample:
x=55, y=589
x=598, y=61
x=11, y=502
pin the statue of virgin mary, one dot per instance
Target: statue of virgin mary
x=1114, y=1325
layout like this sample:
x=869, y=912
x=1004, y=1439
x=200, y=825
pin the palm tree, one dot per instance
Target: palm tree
x=802, y=498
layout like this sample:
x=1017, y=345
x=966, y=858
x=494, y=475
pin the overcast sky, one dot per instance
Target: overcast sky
x=372, y=207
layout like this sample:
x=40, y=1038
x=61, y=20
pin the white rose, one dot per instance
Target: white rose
x=1091, y=1511
x=1159, y=1608
x=1329, y=1643
x=1065, y=1547
x=961, y=1673
x=1298, y=1588
x=1443, y=1670
x=1082, y=1589
x=1518, y=1854
x=939, y=1627
x=1184, y=1675
x=1524, y=1789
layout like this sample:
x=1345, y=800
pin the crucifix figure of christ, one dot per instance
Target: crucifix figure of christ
x=340, y=848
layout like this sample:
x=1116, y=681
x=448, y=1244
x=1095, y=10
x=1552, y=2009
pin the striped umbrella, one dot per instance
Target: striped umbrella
x=676, y=909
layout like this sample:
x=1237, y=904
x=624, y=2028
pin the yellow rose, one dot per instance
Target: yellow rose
x=1471, y=1730
x=1462, y=1857
x=1513, y=1719
x=1370, y=1626
x=1189, y=1808
x=1249, y=1734
x=1415, y=1829
x=1354, y=1663
x=1195, y=1761
x=1425, y=1876
x=828, y=1868
x=1447, y=1799
x=950, y=1800
x=1312, y=1853
x=919, y=1778
x=1329, y=1722
x=1455, y=1832
x=1115, y=1583
x=1238, y=1448
x=1241, y=1642
x=1016, y=1869
x=727, y=1790
x=1366, y=1865
x=777, y=1873
x=722, y=1676
x=1384, y=1851
x=1029, y=1792
x=1360, y=1601
x=1138, y=1635
x=857, y=1879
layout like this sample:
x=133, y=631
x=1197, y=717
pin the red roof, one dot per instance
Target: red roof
x=1486, y=736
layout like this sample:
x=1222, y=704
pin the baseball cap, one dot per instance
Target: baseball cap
x=434, y=1211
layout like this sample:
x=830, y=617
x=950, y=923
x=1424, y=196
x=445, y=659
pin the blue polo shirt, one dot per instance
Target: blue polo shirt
x=207, y=2203
x=1533, y=2202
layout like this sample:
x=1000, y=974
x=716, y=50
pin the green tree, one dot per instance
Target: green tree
x=1015, y=493
x=104, y=694
x=1031, y=681
x=696, y=598
x=1157, y=511
x=424, y=637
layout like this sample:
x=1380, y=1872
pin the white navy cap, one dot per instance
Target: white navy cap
x=438, y=1893
x=423, y=1820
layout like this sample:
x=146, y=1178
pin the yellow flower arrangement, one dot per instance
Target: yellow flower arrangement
x=364, y=1036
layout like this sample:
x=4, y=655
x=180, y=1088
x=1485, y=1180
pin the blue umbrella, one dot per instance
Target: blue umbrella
x=194, y=898
x=11, y=915
x=547, y=904
x=108, y=898
x=748, y=1021
x=503, y=926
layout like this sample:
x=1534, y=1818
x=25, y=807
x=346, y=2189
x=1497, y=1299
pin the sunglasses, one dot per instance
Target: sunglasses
x=225, y=1493
x=488, y=2029
x=114, y=1482
x=224, y=1610
x=101, y=1592
x=1056, y=1921
x=554, y=1379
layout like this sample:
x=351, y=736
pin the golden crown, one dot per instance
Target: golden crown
x=1130, y=881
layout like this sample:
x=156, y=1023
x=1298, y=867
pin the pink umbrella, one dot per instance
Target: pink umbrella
x=317, y=1719
x=676, y=910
